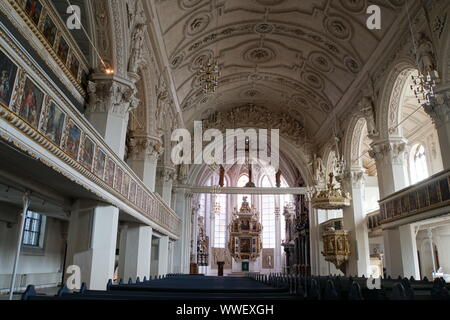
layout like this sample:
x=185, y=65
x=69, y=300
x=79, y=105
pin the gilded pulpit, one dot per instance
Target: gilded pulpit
x=245, y=233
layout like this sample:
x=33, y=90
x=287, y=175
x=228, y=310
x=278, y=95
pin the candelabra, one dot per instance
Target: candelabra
x=423, y=87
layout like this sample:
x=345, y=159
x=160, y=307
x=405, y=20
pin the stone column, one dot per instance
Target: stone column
x=314, y=234
x=181, y=248
x=110, y=101
x=135, y=251
x=143, y=158
x=408, y=245
x=439, y=111
x=390, y=161
x=91, y=242
x=163, y=255
x=194, y=232
x=355, y=223
x=164, y=183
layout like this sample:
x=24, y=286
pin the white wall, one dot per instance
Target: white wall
x=41, y=267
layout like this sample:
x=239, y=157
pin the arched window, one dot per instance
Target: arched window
x=418, y=164
x=268, y=216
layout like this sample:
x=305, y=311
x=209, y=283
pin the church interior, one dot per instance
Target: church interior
x=353, y=204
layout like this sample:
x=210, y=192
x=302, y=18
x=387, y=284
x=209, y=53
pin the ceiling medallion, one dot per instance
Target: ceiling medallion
x=197, y=24
x=259, y=55
x=208, y=76
x=331, y=198
x=338, y=27
x=325, y=107
x=313, y=80
x=354, y=6
x=251, y=93
x=351, y=64
x=264, y=28
x=321, y=62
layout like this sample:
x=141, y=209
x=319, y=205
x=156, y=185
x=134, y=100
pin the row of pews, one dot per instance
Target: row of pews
x=174, y=287
x=349, y=288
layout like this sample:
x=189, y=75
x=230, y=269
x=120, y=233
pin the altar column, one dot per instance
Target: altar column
x=277, y=253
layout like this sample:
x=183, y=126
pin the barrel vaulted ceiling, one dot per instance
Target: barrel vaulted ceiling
x=296, y=56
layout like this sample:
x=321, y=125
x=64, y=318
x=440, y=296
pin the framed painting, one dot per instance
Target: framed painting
x=34, y=9
x=413, y=201
x=126, y=186
x=434, y=193
x=55, y=123
x=109, y=172
x=8, y=73
x=74, y=66
x=63, y=50
x=132, y=196
x=49, y=30
x=87, y=153
x=72, y=140
x=245, y=246
x=31, y=103
x=100, y=161
x=444, y=188
x=118, y=179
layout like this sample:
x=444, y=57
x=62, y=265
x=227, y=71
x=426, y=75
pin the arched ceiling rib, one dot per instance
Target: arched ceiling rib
x=298, y=56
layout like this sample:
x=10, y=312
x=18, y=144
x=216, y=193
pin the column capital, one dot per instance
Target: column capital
x=392, y=150
x=354, y=177
x=439, y=108
x=141, y=147
x=108, y=94
x=166, y=173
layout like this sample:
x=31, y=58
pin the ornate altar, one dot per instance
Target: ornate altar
x=245, y=233
x=336, y=246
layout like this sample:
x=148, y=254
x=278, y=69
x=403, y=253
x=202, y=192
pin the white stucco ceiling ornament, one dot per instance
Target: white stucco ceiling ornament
x=259, y=54
x=321, y=62
x=270, y=2
x=189, y=4
x=313, y=80
x=354, y=6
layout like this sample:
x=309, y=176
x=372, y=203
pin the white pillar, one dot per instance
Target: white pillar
x=182, y=245
x=277, y=253
x=439, y=111
x=92, y=241
x=135, y=251
x=314, y=233
x=389, y=156
x=392, y=252
x=408, y=244
x=143, y=158
x=355, y=223
x=164, y=183
x=110, y=101
x=163, y=257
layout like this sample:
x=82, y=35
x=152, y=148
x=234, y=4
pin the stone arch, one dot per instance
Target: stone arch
x=388, y=108
x=353, y=142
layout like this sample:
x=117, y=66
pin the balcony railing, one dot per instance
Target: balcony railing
x=373, y=220
x=37, y=109
x=430, y=194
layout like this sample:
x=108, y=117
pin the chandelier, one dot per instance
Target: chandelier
x=208, y=76
x=331, y=198
x=423, y=87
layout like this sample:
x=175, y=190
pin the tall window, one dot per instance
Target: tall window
x=220, y=222
x=268, y=216
x=419, y=168
x=32, y=230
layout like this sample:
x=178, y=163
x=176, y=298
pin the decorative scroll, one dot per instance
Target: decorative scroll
x=32, y=110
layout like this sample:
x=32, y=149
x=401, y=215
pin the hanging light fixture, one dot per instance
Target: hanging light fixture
x=332, y=198
x=208, y=76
